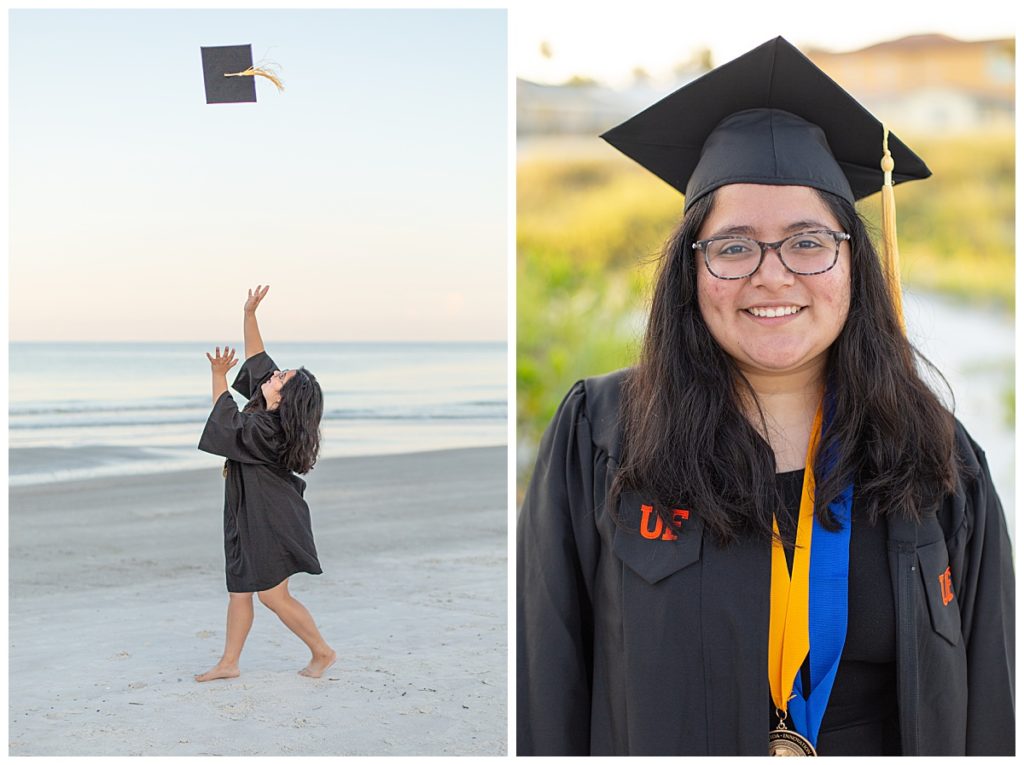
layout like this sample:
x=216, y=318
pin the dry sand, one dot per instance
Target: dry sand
x=117, y=598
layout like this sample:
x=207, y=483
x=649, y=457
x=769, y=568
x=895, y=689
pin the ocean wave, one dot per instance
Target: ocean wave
x=80, y=407
x=141, y=417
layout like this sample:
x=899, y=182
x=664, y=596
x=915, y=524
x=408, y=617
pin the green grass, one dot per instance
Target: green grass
x=956, y=229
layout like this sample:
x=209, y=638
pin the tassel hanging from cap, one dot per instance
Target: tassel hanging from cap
x=259, y=71
x=891, y=248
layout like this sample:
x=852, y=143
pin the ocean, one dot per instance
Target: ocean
x=79, y=410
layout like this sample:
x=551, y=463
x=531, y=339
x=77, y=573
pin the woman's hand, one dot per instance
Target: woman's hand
x=250, y=327
x=221, y=364
x=255, y=296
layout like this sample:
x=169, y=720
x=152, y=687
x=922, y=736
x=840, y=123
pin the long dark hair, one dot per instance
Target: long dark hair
x=687, y=442
x=300, y=411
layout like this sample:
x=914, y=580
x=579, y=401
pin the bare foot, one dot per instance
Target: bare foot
x=319, y=664
x=220, y=672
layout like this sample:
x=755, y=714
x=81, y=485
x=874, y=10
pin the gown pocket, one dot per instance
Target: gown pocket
x=943, y=608
x=650, y=547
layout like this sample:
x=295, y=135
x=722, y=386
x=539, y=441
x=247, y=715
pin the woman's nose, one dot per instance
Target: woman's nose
x=772, y=272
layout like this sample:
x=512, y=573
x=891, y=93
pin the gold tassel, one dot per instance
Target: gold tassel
x=891, y=249
x=256, y=71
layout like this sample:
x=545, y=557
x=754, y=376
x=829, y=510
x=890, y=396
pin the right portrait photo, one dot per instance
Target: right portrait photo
x=765, y=383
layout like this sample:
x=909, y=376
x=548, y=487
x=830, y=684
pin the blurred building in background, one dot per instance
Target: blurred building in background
x=924, y=83
x=930, y=83
x=580, y=107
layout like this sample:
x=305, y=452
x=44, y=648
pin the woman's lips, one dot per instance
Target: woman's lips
x=773, y=314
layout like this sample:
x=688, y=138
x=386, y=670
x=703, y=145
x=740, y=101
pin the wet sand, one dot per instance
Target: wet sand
x=117, y=599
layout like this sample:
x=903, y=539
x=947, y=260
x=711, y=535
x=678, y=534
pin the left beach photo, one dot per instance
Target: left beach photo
x=258, y=394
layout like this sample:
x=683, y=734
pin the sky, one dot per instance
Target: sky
x=606, y=41
x=371, y=194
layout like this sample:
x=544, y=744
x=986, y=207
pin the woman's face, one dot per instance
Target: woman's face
x=272, y=387
x=783, y=344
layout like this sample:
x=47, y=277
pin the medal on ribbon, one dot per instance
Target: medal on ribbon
x=808, y=614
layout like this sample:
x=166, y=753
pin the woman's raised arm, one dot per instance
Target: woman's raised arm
x=253, y=341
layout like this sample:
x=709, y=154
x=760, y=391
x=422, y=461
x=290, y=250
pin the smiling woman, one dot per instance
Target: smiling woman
x=772, y=319
x=769, y=536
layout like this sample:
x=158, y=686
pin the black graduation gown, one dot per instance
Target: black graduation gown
x=267, y=531
x=640, y=646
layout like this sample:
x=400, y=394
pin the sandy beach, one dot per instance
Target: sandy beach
x=117, y=599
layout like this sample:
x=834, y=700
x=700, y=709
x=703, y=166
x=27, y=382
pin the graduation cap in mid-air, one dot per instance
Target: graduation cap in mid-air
x=229, y=74
x=771, y=117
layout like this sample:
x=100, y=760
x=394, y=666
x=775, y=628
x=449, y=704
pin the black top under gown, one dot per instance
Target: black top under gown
x=861, y=717
x=267, y=531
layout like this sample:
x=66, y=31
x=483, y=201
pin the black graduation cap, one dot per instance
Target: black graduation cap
x=229, y=74
x=222, y=60
x=770, y=117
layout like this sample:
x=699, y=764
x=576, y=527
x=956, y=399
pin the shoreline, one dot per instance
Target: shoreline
x=117, y=598
x=94, y=461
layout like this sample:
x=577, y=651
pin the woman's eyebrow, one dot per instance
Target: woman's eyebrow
x=802, y=224
x=744, y=230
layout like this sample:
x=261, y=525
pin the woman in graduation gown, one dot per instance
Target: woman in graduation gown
x=769, y=535
x=267, y=532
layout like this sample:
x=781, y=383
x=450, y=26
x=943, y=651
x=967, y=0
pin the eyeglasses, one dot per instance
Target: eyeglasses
x=280, y=373
x=737, y=257
x=283, y=372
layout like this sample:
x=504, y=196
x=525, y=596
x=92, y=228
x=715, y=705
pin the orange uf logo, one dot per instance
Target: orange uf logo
x=946, y=585
x=659, y=530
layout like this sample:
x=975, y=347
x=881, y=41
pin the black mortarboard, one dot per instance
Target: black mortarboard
x=770, y=117
x=222, y=60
